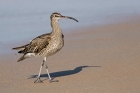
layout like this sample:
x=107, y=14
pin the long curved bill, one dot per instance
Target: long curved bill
x=70, y=18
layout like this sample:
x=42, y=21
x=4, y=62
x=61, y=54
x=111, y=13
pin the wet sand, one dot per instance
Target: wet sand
x=103, y=59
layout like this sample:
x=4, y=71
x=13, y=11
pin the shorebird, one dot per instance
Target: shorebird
x=45, y=45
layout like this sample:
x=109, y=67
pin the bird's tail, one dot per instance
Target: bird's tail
x=21, y=58
x=20, y=48
x=28, y=55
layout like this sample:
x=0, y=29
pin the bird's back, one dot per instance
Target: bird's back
x=56, y=42
x=36, y=45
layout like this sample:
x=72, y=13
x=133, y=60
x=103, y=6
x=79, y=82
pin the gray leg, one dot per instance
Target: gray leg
x=51, y=80
x=38, y=77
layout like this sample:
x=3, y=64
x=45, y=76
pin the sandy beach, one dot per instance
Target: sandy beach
x=103, y=59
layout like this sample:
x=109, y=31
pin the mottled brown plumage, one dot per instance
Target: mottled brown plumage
x=37, y=44
x=45, y=45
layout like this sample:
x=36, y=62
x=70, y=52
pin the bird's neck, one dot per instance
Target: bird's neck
x=56, y=30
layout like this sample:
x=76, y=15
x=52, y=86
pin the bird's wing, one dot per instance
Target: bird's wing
x=37, y=44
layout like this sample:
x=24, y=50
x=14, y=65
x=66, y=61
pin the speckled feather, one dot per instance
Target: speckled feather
x=37, y=44
x=46, y=44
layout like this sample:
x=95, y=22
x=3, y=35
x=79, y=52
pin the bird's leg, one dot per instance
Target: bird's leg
x=38, y=77
x=51, y=80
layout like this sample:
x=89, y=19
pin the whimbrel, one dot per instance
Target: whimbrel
x=45, y=45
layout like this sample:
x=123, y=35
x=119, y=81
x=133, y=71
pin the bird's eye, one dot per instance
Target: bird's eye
x=56, y=16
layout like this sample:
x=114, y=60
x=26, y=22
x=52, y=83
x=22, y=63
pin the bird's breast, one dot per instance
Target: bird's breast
x=54, y=45
x=57, y=43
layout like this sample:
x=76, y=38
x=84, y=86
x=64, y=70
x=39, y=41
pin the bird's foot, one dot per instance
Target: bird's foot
x=52, y=80
x=38, y=80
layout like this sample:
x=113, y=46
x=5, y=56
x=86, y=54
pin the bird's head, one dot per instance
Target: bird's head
x=57, y=16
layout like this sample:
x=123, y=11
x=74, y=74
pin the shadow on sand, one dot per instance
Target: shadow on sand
x=63, y=73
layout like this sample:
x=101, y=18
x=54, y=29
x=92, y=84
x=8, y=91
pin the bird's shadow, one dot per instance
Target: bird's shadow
x=63, y=73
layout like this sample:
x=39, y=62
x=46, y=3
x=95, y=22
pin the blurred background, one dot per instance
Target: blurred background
x=26, y=19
